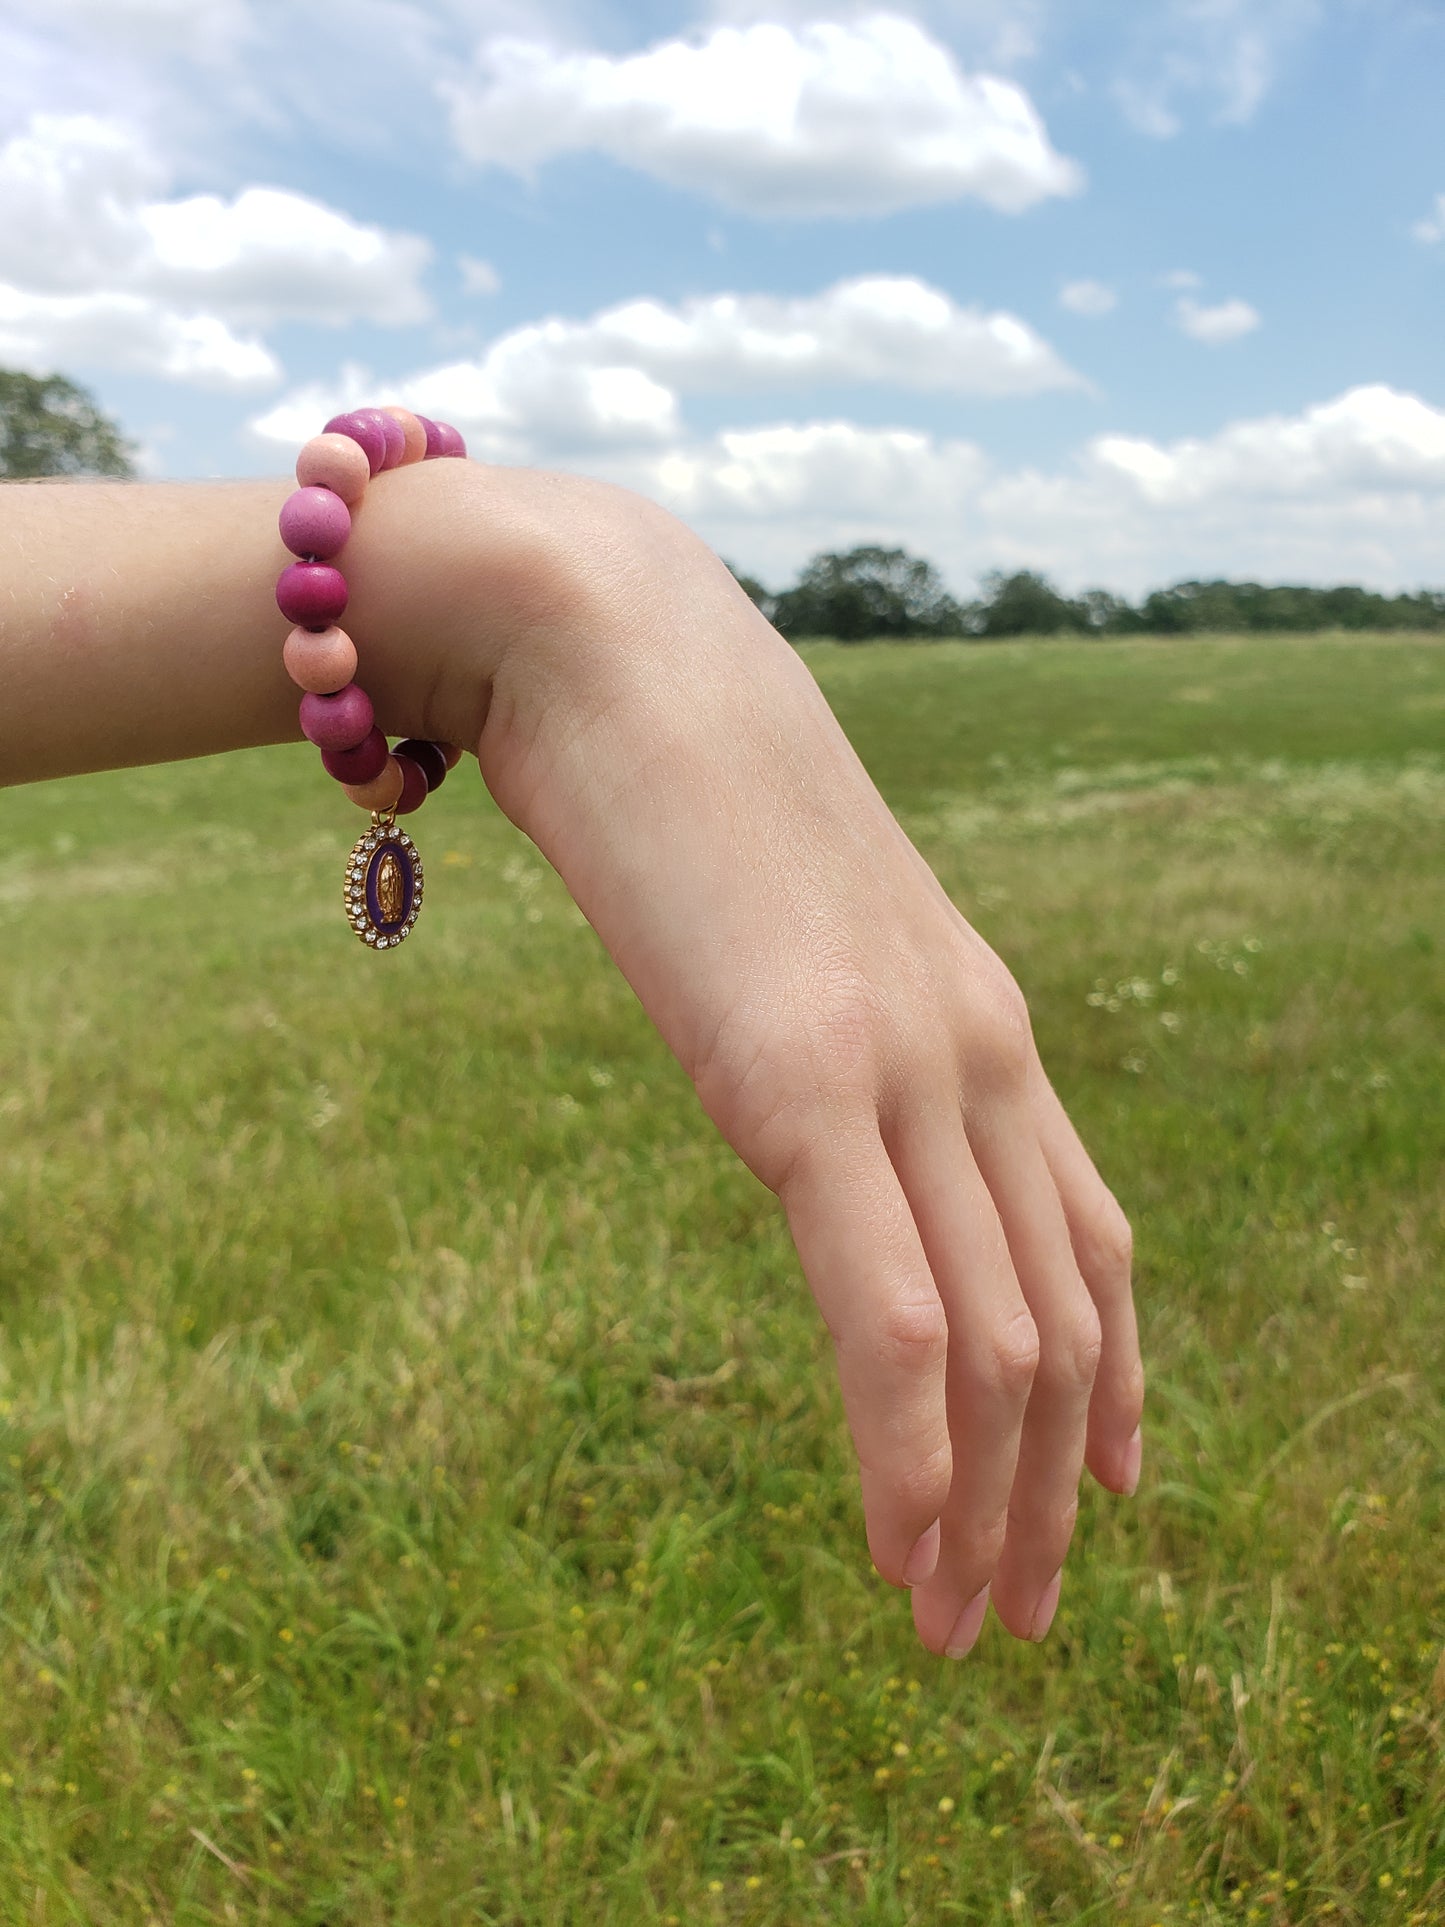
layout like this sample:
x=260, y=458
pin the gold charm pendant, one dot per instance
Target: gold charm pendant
x=383, y=886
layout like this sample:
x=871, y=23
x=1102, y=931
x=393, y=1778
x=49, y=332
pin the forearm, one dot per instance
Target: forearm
x=138, y=622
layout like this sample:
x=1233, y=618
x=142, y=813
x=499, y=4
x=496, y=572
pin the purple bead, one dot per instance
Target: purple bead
x=315, y=522
x=393, y=439
x=312, y=594
x=340, y=721
x=357, y=765
x=367, y=434
x=433, y=444
x=428, y=758
x=413, y=786
x=448, y=440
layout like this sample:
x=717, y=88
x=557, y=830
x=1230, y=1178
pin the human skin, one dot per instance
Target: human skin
x=852, y=1037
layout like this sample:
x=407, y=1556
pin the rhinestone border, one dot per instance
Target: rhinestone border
x=353, y=888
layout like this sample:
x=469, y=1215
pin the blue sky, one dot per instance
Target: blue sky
x=1122, y=293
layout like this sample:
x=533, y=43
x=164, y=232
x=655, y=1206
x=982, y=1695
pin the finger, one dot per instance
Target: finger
x=992, y=1356
x=862, y=1258
x=1045, y=1494
x=1103, y=1249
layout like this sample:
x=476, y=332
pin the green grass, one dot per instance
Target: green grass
x=423, y=1491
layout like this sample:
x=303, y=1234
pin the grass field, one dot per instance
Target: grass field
x=423, y=1490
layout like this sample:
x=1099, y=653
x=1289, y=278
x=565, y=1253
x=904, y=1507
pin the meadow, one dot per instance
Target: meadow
x=424, y=1495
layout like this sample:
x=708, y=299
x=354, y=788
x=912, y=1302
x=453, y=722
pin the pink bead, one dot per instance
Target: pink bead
x=335, y=462
x=443, y=439
x=311, y=593
x=337, y=722
x=369, y=435
x=394, y=440
x=315, y=522
x=413, y=788
x=321, y=660
x=357, y=765
x=382, y=792
x=412, y=429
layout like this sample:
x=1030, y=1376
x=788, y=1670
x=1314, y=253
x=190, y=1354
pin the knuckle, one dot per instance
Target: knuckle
x=1104, y=1242
x=1131, y=1392
x=1012, y=1357
x=1071, y=1360
x=985, y=1542
x=1001, y=1045
x=920, y=1486
x=912, y=1336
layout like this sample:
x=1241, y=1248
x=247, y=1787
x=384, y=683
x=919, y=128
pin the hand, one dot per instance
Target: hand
x=857, y=1043
x=859, y=1046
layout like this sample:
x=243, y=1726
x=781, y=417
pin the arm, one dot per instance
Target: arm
x=856, y=1042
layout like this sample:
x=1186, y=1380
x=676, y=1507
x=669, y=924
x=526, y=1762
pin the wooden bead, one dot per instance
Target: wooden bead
x=412, y=429
x=337, y=722
x=428, y=758
x=382, y=791
x=335, y=462
x=413, y=786
x=312, y=594
x=320, y=660
x=315, y=523
x=357, y=765
x=452, y=752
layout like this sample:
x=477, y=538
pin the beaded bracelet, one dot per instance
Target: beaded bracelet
x=383, y=888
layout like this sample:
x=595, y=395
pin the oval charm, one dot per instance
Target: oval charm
x=383, y=887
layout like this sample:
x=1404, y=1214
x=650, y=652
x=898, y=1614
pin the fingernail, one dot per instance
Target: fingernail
x=1048, y=1605
x=922, y=1562
x=1133, y=1459
x=970, y=1625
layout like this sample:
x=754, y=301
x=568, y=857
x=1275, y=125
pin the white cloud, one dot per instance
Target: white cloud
x=891, y=329
x=1432, y=228
x=1223, y=53
x=1090, y=298
x=994, y=33
x=129, y=332
x=1225, y=321
x=207, y=30
x=1371, y=437
x=615, y=378
x=478, y=277
x=527, y=411
x=272, y=255
x=85, y=232
x=820, y=471
x=1350, y=490
x=828, y=118
x=70, y=188
x=1183, y=278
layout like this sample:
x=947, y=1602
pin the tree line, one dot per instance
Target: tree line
x=863, y=594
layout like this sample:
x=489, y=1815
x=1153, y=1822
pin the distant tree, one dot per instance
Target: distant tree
x=1245, y=608
x=1024, y=604
x=49, y=426
x=752, y=588
x=1106, y=614
x=860, y=593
